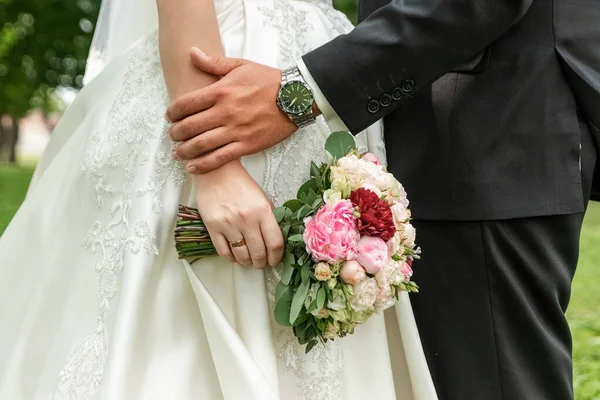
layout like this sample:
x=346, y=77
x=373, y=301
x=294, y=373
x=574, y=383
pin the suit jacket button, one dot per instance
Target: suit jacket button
x=397, y=93
x=373, y=106
x=385, y=100
x=408, y=85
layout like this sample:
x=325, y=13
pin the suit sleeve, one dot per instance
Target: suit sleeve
x=402, y=48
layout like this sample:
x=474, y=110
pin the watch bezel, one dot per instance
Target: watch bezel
x=281, y=94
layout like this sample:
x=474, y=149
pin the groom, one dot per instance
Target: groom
x=491, y=111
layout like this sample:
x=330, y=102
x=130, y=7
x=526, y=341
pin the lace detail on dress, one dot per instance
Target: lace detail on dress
x=125, y=164
x=320, y=373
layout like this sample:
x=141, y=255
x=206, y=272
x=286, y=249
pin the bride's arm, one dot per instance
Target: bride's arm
x=184, y=24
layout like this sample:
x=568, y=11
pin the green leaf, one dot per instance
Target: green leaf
x=305, y=273
x=279, y=213
x=296, y=238
x=288, y=269
x=293, y=205
x=314, y=169
x=298, y=301
x=285, y=232
x=305, y=188
x=321, y=297
x=312, y=196
x=310, y=345
x=339, y=144
x=283, y=304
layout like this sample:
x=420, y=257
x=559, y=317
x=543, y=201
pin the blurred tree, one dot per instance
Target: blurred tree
x=349, y=7
x=43, y=46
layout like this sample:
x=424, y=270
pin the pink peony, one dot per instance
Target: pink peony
x=370, y=157
x=372, y=253
x=332, y=235
x=352, y=272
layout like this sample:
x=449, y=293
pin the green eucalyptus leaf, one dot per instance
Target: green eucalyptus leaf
x=312, y=196
x=298, y=237
x=310, y=345
x=305, y=273
x=283, y=305
x=339, y=144
x=288, y=268
x=279, y=214
x=314, y=169
x=305, y=188
x=321, y=297
x=293, y=205
x=298, y=301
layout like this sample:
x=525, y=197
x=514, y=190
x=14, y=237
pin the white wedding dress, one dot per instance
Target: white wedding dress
x=94, y=303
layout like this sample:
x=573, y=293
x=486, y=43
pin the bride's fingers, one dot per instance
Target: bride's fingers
x=256, y=246
x=241, y=254
x=273, y=240
x=222, y=246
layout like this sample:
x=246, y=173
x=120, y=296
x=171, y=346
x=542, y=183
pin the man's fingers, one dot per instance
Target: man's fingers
x=217, y=158
x=273, y=240
x=194, y=125
x=215, y=65
x=201, y=144
x=191, y=103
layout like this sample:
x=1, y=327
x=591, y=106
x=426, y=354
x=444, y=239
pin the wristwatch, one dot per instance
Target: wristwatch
x=295, y=98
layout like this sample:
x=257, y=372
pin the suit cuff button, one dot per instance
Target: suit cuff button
x=408, y=85
x=373, y=106
x=397, y=93
x=385, y=100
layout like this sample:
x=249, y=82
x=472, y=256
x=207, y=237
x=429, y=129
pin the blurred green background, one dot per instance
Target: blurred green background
x=43, y=49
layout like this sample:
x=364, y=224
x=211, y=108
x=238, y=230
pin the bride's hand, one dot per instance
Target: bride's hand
x=234, y=207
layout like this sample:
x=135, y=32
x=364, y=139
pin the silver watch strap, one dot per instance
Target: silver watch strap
x=302, y=120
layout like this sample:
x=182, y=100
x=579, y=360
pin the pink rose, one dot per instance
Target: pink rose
x=407, y=271
x=352, y=272
x=370, y=157
x=372, y=253
x=332, y=235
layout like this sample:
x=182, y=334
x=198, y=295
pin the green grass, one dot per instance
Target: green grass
x=13, y=186
x=583, y=311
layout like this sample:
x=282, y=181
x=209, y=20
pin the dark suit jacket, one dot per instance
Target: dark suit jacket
x=486, y=102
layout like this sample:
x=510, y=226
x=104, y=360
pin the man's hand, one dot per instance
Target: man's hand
x=234, y=117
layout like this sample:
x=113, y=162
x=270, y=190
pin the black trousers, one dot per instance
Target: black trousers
x=493, y=296
x=491, y=308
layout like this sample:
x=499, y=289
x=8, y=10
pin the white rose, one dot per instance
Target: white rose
x=409, y=235
x=400, y=213
x=333, y=196
x=385, y=299
x=341, y=185
x=365, y=294
x=395, y=244
x=357, y=173
x=389, y=273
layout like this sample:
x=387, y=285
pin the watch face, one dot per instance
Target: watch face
x=295, y=98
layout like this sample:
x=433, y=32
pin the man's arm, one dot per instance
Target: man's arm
x=403, y=47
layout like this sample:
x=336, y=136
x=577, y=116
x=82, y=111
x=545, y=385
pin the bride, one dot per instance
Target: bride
x=94, y=303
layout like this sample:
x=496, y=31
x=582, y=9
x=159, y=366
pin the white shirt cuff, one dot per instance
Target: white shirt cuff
x=334, y=122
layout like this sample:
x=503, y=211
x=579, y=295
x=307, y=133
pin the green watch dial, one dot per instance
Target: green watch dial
x=295, y=98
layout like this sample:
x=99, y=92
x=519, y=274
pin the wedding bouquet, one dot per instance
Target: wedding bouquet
x=349, y=245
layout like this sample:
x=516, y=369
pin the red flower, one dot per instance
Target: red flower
x=376, y=217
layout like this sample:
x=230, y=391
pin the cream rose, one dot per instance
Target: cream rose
x=322, y=271
x=409, y=235
x=365, y=294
